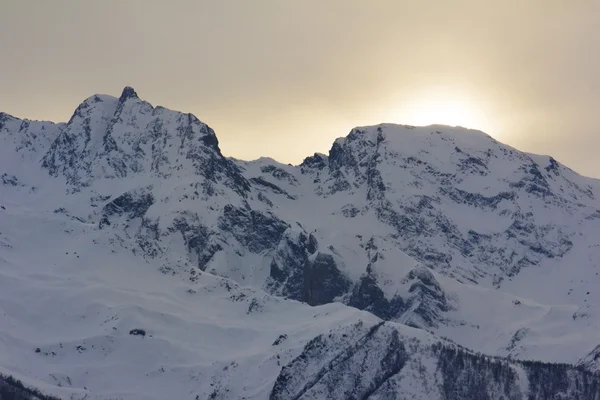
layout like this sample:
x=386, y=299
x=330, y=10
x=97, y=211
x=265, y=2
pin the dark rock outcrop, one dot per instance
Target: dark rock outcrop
x=255, y=230
x=130, y=205
x=368, y=296
x=13, y=389
x=371, y=362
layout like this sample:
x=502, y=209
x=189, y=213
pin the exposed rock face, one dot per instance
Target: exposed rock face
x=323, y=281
x=116, y=138
x=591, y=361
x=368, y=296
x=27, y=139
x=426, y=302
x=253, y=229
x=13, y=389
x=378, y=362
x=129, y=205
x=320, y=373
x=301, y=272
x=287, y=268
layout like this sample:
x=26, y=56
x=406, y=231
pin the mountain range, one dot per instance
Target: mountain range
x=138, y=262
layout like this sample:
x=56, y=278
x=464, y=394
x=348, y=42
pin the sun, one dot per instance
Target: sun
x=441, y=105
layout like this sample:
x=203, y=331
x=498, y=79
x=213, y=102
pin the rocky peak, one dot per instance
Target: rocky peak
x=24, y=140
x=116, y=138
x=316, y=162
x=128, y=93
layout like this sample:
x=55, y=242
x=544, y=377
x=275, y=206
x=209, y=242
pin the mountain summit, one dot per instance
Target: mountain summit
x=435, y=258
x=128, y=93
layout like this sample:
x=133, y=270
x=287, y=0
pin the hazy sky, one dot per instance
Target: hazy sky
x=284, y=78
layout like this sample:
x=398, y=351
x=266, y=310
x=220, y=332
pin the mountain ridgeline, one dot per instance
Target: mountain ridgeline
x=467, y=258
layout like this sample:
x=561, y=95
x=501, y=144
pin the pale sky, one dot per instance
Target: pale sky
x=284, y=78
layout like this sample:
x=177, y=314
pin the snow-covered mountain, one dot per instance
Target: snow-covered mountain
x=138, y=262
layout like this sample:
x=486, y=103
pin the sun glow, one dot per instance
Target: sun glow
x=443, y=106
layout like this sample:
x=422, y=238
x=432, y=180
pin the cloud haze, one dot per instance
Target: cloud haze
x=284, y=78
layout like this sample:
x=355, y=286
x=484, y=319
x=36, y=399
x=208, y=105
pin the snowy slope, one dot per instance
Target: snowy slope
x=129, y=217
x=69, y=308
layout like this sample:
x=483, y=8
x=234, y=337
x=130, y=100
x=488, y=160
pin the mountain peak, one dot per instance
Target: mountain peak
x=128, y=93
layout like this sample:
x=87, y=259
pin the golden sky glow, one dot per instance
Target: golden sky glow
x=447, y=105
x=285, y=78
